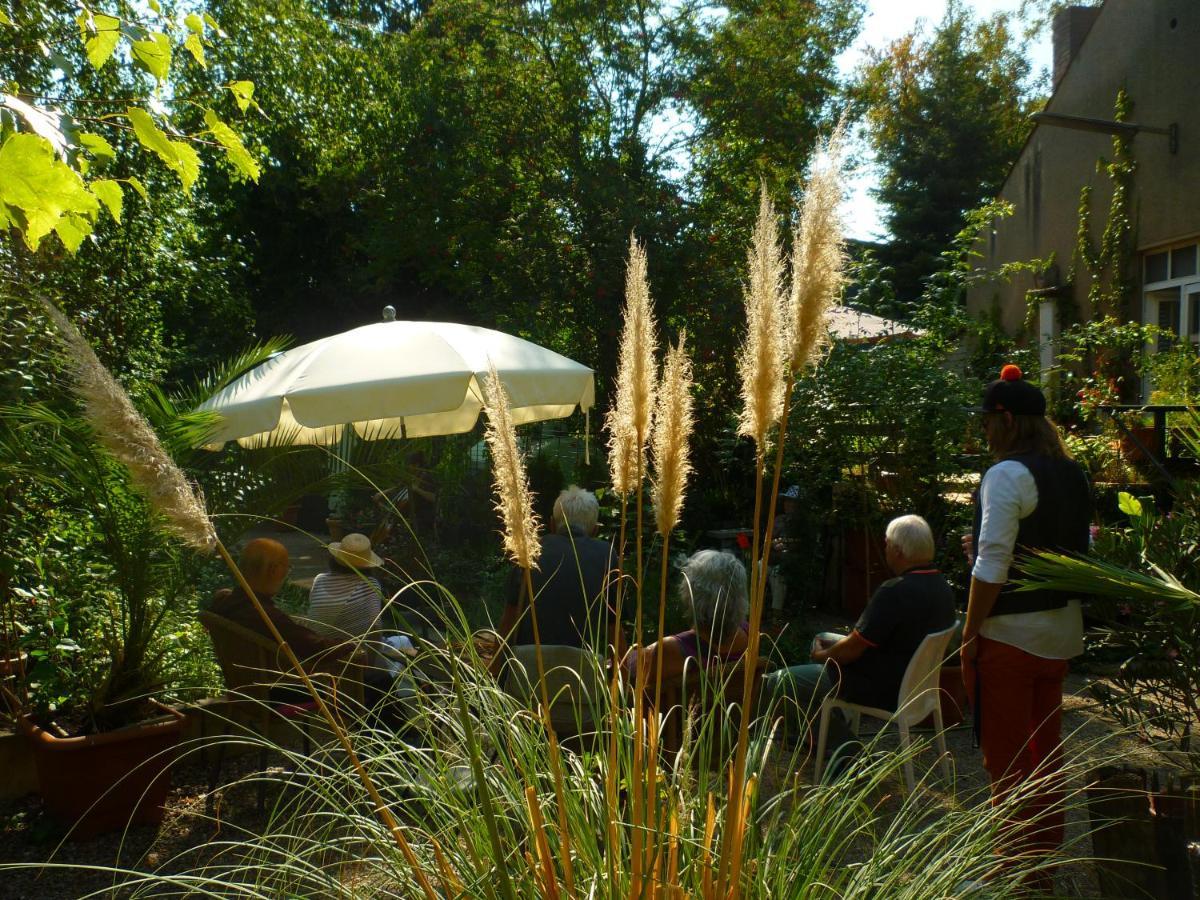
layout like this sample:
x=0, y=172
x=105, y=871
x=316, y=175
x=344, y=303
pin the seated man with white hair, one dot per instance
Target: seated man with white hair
x=574, y=583
x=867, y=665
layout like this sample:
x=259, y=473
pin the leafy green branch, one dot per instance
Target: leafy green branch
x=52, y=171
x=1145, y=596
x=1096, y=577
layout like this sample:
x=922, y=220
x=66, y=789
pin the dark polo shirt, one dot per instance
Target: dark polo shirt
x=899, y=616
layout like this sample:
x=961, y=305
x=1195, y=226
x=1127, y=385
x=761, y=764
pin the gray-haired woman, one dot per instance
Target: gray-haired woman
x=713, y=587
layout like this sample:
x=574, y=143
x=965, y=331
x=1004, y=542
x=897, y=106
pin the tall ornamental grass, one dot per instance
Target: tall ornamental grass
x=785, y=337
x=857, y=836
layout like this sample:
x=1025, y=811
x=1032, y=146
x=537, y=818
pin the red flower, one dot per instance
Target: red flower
x=743, y=540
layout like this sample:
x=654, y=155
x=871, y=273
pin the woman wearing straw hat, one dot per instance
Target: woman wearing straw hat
x=1016, y=643
x=345, y=601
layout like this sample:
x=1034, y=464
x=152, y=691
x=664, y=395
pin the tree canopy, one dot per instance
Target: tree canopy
x=486, y=160
x=947, y=113
x=306, y=162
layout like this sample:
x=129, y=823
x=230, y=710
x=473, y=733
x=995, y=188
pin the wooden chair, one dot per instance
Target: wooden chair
x=920, y=697
x=252, y=664
x=714, y=695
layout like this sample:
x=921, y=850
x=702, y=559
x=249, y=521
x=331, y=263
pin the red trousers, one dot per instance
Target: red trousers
x=1020, y=705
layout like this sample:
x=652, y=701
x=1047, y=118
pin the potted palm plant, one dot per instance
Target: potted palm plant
x=103, y=584
x=139, y=581
x=109, y=474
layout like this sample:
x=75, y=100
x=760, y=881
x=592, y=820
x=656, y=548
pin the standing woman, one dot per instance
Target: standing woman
x=1016, y=644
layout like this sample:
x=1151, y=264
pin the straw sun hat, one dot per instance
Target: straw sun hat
x=354, y=550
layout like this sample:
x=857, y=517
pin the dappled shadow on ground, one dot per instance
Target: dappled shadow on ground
x=1091, y=740
x=183, y=839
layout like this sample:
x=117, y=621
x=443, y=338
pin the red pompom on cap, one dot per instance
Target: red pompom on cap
x=1010, y=373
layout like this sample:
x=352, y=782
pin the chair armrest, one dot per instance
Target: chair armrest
x=345, y=673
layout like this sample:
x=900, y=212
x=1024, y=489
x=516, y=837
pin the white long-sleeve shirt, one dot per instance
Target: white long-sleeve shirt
x=1007, y=495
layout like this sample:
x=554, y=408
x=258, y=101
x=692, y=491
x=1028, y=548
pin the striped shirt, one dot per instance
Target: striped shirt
x=344, y=605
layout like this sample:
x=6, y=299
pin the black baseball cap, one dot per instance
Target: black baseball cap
x=1013, y=394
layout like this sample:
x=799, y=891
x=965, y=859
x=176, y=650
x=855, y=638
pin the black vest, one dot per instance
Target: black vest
x=1059, y=523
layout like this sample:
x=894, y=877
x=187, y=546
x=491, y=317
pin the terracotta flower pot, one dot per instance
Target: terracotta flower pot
x=954, y=698
x=1142, y=831
x=105, y=782
x=1148, y=437
x=286, y=521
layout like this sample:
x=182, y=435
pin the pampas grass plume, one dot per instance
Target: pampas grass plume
x=126, y=434
x=672, y=431
x=818, y=255
x=513, y=499
x=622, y=452
x=761, y=361
x=628, y=421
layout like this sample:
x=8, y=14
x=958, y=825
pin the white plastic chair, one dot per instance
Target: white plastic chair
x=920, y=696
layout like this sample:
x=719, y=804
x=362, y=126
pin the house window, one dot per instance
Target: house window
x=1183, y=261
x=1167, y=308
x=1158, y=267
x=1171, y=296
x=1193, y=302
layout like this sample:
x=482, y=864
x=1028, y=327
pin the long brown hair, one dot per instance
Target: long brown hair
x=1019, y=435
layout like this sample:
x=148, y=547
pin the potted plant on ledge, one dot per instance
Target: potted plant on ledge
x=106, y=525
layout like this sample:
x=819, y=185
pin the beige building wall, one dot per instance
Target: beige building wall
x=1151, y=48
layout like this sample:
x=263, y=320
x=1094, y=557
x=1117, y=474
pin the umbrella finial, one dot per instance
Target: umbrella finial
x=389, y=313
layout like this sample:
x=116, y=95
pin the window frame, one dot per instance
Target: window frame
x=1187, y=329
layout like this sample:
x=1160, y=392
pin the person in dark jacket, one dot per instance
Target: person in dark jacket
x=1016, y=643
x=264, y=564
x=573, y=584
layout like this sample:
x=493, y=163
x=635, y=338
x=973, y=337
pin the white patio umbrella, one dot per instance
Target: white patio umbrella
x=395, y=379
